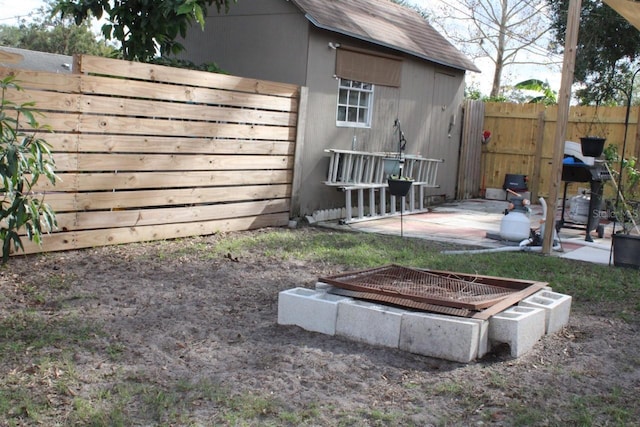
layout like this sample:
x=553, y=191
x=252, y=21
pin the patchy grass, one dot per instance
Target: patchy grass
x=45, y=343
x=585, y=281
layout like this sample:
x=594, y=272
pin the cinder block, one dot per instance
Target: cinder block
x=370, y=323
x=483, y=339
x=444, y=337
x=311, y=310
x=323, y=287
x=556, y=306
x=520, y=327
x=495, y=194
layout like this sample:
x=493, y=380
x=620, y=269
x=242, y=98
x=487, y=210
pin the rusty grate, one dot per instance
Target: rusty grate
x=406, y=303
x=443, y=292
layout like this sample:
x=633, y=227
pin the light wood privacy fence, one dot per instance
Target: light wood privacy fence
x=469, y=164
x=523, y=137
x=147, y=152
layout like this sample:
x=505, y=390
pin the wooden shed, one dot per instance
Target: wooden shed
x=386, y=56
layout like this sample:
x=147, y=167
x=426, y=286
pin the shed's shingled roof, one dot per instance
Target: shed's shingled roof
x=386, y=24
x=38, y=61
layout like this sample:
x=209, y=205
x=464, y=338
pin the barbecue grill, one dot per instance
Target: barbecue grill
x=579, y=168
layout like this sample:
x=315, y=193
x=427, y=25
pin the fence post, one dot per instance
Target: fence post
x=535, y=181
x=470, y=159
x=294, y=209
x=636, y=152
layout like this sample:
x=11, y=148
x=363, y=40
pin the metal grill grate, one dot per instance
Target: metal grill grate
x=407, y=286
x=403, y=302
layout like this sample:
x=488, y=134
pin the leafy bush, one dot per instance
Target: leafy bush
x=24, y=157
x=626, y=180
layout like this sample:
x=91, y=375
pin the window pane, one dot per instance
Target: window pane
x=342, y=98
x=353, y=98
x=362, y=116
x=342, y=114
x=364, y=99
x=352, y=115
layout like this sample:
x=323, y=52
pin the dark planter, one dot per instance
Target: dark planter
x=592, y=146
x=626, y=250
x=399, y=187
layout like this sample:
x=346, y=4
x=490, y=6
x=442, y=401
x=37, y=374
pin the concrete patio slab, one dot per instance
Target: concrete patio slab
x=474, y=222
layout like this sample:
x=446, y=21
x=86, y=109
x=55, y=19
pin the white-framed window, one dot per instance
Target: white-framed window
x=355, y=101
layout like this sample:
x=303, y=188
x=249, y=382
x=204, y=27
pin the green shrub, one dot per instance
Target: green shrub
x=24, y=157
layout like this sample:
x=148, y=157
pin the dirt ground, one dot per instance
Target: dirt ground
x=170, y=316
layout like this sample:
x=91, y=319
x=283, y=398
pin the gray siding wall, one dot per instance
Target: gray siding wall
x=264, y=39
x=428, y=101
x=431, y=112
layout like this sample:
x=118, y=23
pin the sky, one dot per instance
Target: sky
x=11, y=9
x=511, y=74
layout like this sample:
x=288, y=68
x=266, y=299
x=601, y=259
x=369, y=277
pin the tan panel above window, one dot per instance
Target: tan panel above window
x=369, y=67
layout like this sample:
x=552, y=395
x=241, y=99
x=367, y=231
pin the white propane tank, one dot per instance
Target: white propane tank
x=579, y=208
x=515, y=226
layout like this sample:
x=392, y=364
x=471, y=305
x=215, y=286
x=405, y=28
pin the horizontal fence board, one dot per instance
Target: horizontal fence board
x=62, y=142
x=141, y=126
x=133, y=218
x=67, y=142
x=65, y=162
x=167, y=92
x=167, y=162
x=44, y=100
x=61, y=122
x=118, y=236
x=62, y=202
x=188, y=111
x=159, y=73
x=147, y=180
x=74, y=122
x=43, y=81
x=48, y=123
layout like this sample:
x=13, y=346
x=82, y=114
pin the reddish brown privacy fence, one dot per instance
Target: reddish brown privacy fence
x=523, y=137
x=147, y=152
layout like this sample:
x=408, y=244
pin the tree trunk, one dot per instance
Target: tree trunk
x=497, y=76
x=500, y=51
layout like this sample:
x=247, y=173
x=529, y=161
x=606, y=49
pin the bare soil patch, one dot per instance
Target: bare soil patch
x=162, y=334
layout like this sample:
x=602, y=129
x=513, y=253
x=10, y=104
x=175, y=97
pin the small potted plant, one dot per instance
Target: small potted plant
x=592, y=146
x=399, y=184
x=625, y=177
x=593, y=142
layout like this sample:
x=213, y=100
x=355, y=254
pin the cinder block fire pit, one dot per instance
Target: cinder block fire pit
x=452, y=316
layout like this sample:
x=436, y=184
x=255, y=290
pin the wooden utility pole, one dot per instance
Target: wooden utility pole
x=564, y=98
